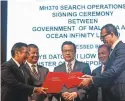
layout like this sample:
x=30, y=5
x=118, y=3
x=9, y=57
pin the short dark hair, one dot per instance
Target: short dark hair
x=110, y=28
x=68, y=43
x=17, y=47
x=32, y=46
x=106, y=46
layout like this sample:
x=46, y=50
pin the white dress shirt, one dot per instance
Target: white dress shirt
x=32, y=67
x=72, y=66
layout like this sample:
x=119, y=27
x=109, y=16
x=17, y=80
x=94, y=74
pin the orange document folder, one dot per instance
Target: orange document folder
x=56, y=80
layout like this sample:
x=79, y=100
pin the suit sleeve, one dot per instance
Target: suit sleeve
x=10, y=80
x=114, y=71
x=81, y=93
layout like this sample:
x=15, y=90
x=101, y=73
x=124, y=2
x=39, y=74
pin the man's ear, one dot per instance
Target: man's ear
x=16, y=52
x=112, y=33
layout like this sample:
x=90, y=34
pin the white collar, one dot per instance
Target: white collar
x=115, y=43
x=31, y=67
x=31, y=64
x=72, y=62
x=16, y=62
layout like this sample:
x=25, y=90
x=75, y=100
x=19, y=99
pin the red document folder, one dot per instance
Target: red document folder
x=55, y=81
x=72, y=79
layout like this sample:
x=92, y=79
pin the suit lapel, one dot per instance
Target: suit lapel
x=100, y=69
x=112, y=56
x=113, y=51
x=17, y=71
x=63, y=67
x=76, y=66
x=27, y=66
x=41, y=73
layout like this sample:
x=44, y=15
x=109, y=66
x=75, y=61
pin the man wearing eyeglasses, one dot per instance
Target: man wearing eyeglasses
x=113, y=77
x=72, y=65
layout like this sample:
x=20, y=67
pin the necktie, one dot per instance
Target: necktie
x=102, y=69
x=21, y=70
x=34, y=71
x=69, y=65
x=111, y=51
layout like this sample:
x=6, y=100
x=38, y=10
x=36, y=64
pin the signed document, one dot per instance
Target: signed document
x=56, y=80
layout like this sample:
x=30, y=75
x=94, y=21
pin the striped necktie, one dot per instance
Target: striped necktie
x=69, y=65
x=34, y=71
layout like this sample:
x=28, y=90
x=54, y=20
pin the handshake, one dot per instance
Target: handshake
x=40, y=90
x=86, y=81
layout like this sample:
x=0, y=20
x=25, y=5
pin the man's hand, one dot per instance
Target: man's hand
x=72, y=96
x=69, y=96
x=87, y=80
x=65, y=95
x=40, y=90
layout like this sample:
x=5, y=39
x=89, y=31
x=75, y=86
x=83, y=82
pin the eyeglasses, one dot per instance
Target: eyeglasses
x=102, y=37
x=70, y=51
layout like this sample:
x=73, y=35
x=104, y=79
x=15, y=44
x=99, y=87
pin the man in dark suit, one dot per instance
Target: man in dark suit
x=72, y=65
x=38, y=72
x=14, y=78
x=113, y=77
x=96, y=93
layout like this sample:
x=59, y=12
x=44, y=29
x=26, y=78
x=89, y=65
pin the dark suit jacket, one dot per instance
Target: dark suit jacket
x=42, y=71
x=97, y=71
x=78, y=67
x=113, y=78
x=14, y=83
x=93, y=92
